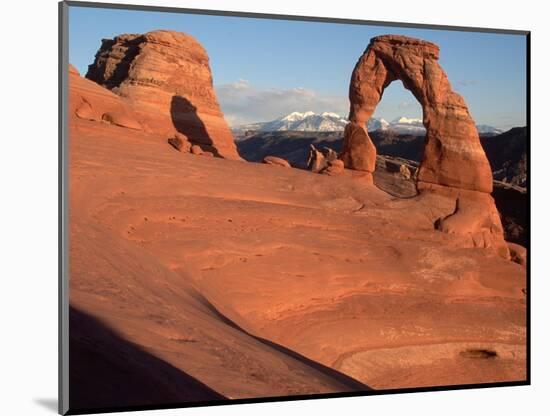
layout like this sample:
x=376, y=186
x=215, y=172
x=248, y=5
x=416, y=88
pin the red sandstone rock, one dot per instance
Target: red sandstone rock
x=518, y=253
x=196, y=150
x=358, y=151
x=89, y=101
x=73, y=70
x=277, y=161
x=453, y=155
x=334, y=168
x=454, y=164
x=122, y=119
x=204, y=237
x=180, y=143
x=330, y=255
x=474, y=216
x=330, y=155
x=85, y=111
x=316, y=161
x=167, y=78
x=362, y=176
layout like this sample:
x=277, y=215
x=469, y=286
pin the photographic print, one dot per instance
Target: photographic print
x=261, y=208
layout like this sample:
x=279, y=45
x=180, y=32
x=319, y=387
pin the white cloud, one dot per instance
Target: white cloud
x=244, y=103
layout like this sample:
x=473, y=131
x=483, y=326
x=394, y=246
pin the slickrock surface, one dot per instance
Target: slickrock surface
x=274, y=160
x=166, y=77
x=241, y=280
x=89, y=101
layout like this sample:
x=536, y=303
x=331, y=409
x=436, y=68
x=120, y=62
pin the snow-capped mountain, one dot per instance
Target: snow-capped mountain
x=488, y=130
x=310, y=121
x=377, y=124
x=404, y=125
x=414, y=126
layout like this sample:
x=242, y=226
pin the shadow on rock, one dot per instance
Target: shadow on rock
x=187, y=121
x=107, y=371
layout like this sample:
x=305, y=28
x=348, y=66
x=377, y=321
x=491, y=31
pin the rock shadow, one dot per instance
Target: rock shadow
x=346, y=380
x=187, y=121
x=97, y=70
x=108, y=372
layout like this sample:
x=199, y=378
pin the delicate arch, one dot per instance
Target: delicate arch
x=453, y=155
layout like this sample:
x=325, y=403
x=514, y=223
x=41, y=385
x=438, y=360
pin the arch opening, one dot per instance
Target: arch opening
x=396, y=126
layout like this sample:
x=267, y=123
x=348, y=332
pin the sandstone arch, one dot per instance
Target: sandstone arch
x=454, y=171
x=453, y=155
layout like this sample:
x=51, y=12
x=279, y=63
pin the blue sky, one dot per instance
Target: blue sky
x=263, y=69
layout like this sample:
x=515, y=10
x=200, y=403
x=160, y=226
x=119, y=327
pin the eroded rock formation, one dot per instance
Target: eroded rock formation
x=316, y=160
x=454, y=164
x=167, y=78
x=277, y=161
x=330, y=154
x=88, y=101
x=180, y=142
x=334, y=167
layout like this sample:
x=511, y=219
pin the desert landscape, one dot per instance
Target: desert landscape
x=204, y=268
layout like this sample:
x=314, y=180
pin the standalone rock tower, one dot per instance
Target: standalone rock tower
x=166, y=77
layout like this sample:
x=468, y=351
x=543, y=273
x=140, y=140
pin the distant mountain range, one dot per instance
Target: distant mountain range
x=507, y=152
x=326, y=122
x=486, y=130
x=308, y=121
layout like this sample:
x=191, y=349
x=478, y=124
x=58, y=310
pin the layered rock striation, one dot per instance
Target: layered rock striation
x=166, y=77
